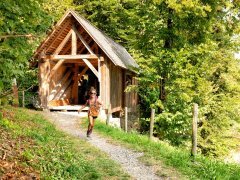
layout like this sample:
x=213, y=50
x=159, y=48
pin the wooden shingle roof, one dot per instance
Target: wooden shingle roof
x=115, y=52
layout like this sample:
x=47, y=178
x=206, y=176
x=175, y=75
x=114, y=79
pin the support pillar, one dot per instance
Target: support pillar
x=75, y=84
x=44, y=71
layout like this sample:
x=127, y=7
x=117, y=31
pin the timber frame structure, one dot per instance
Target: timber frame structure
x=75, y=48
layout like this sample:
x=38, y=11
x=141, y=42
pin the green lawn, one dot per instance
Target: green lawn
x=34, y=147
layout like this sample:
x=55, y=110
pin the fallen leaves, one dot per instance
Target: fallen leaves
x=11, y=161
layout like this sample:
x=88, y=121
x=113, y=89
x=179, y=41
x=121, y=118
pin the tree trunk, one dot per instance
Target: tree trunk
x=167, y=45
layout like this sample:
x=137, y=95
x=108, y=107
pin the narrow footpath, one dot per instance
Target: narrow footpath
x=128, y=159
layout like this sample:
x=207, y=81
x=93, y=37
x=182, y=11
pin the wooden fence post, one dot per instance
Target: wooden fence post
x=152, y=123
x=194, y=130
x=125, y=119
x=23, y=99
x=15, y=93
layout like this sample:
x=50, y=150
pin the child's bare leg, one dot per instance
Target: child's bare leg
x=90, y=125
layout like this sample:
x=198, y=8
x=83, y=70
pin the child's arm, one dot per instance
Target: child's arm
x=82, y=107
x=99, y=103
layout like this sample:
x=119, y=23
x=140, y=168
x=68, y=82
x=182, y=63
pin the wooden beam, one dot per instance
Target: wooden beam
x=88, y=42
x=83, y=41
x=83, y=72
x=58, y=86
x=64, y=41
x=63, y=89
x=68, y=47
x=44, y=71
x=75, y=85
x=68, y=63
x=74, y=42
x=80, y=56
x=99, y=77
x=116, y=109
x=55, y=68
x=103, y=86
x=95, y=47
x=91, y=67
x=58, y=35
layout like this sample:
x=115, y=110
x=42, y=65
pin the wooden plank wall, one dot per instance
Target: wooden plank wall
x=105, y=83
x=116, y=87
x=67, y=94
x=111, y=85
x=130, y=98
x=57, y=77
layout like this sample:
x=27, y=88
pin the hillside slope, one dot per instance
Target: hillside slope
x=32, y=148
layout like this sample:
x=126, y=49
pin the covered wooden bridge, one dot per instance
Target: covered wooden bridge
x=76, y=56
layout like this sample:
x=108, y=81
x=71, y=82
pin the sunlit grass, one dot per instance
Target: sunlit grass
x=180, y=159
x=54, y=154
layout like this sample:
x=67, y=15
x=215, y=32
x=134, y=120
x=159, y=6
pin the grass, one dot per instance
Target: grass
x=179, y=159
x=33, y=147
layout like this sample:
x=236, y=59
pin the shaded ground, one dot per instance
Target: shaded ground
x=127, y=158
x=11, y=150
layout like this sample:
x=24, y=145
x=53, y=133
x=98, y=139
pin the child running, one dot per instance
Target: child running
x=94, y=107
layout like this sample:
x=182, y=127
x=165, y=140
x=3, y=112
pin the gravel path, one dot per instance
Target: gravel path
x=127, y=158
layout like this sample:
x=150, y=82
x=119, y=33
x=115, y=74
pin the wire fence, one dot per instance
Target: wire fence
x=28, y=99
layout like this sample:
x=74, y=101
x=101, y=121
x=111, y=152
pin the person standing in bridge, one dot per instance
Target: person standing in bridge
x=94, y=105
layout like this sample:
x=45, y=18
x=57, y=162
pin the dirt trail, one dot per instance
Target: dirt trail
x=127, y=158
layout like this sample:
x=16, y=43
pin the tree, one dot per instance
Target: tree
x=23, y=25
x=185, y=49
x=19, y=18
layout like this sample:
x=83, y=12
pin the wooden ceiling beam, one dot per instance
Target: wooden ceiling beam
x=69, y=44
x=70, y=62
x=58, y=35
x=80, y=56
x=91, y=67
x=83, y=41
x=82, y=49
x=65, y=40
x=41, y=48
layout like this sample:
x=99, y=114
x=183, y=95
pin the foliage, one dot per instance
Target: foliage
x=185, y=50
x=161, y=152
x=188, y=47
x=56, y=8
x=24, y=17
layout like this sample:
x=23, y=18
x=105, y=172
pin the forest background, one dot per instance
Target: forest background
x=185, y=50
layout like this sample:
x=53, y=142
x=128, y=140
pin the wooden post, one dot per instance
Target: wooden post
x=194, y=130
x=44, y=71
x=15, y=93
x=152, y=123
x=75, y=85
x=125, y=119
x=108, y=114
x=74, y=42
x=23, y=99
x=99, y=77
